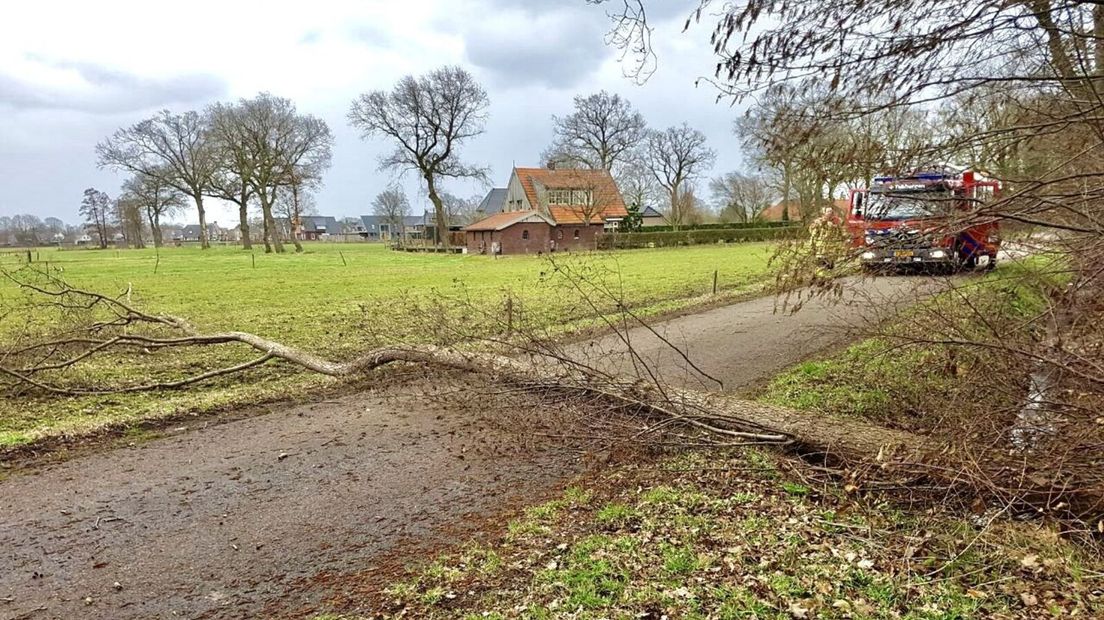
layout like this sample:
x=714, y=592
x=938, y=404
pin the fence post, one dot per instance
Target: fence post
x=342, y=259
x=715, y=281
x=28, y=257
x=253, y=257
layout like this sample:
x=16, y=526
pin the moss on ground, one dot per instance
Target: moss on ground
x=706, y=537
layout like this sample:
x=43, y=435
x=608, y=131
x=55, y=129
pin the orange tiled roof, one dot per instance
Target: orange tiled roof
x=608, y=201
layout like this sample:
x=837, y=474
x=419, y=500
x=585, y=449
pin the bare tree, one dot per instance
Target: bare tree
x=157, y=198
x=96, y=209
x=676, y=156
x=460, y=210
x=393, y=206
x=600, y=133
x=277, y=145
x=27, y=228
x=174, y=147
x=429, y=117
x=637, y=183
x=293, y=202
x=128, y=213
x=741, y=197
x=230, y=181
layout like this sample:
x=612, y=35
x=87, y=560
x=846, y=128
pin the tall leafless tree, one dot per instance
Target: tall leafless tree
x=128, y=213
x=601, y=132
x=429, y=118
x=156, y=198
x=393, y=206
x=96, y=209
x=175, y=147
x=741, y=197
x=279, y=147
x=230, y=181
x=676, y=156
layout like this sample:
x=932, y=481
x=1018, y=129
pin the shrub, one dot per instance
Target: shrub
x=697, y=237
x=720, y=226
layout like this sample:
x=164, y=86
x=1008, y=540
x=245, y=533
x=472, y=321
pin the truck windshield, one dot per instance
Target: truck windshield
x=908, y=205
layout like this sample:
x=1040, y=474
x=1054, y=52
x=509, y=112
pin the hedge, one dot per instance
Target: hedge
x=725, y=226
x=697, y=237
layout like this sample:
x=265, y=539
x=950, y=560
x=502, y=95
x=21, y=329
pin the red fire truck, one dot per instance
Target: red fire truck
x=925, y=219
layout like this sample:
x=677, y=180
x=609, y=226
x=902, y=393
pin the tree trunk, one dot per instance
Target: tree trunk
x=155, y=226
x=296, y=218
x=272, y=238
x=203, y=242
x=243, y=215
x=439, y=211
x=266, y=233
x=676, y=208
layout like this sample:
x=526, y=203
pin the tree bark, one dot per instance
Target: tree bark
x=273, y=236
x=438, y=210
x=204, y=243
x=296, y=218
x=154, y=216
x=243, y=216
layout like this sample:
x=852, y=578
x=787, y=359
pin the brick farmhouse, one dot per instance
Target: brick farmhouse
x=549, y=210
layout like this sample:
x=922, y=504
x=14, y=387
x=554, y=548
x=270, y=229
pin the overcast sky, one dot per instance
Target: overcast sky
x=73, y=72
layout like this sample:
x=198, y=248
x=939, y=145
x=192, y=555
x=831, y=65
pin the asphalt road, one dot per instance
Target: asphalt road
x=746, y=343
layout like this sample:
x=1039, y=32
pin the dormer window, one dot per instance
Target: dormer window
x=570, y=196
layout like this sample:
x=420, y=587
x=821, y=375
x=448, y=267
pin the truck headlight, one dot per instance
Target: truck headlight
x=868, y=256
x=937, y=254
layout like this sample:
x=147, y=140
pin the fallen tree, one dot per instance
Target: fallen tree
x=866, y=454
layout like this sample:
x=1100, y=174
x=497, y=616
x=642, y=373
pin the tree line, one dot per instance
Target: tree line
x=263, y=153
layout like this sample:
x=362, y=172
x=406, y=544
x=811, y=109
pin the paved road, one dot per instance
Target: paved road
x=219, y=522
x=746, y=343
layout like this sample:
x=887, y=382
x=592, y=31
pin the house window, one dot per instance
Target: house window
x=559, y=234
x=576, y=233
x=581, y=196
x=559, y=196
x=525, y=234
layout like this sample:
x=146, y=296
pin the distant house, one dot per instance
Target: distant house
x=378, y=228
x=649, y=216
x=172, y=233
x=549, y=210
x=191, y=232
x=314, y=227
x=493, y=202
x=229, y=235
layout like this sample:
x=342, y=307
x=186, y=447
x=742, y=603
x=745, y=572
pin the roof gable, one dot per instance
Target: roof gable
x=607, y=198
x=494, y=201
x=500, y=221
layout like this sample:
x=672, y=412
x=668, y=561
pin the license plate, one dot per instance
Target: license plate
x=903, y=253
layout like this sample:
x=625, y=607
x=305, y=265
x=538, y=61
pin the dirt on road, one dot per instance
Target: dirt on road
x=237, y=519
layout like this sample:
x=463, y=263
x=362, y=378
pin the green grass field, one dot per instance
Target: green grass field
x=336, y=300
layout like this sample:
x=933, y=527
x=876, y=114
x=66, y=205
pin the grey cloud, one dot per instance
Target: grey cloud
x=108, y=91
x=557, y=49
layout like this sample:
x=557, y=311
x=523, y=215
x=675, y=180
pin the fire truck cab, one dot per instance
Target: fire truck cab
x=925, y=219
